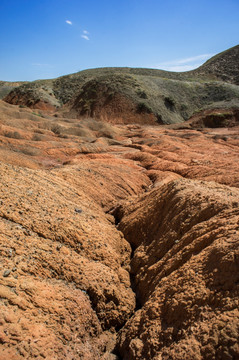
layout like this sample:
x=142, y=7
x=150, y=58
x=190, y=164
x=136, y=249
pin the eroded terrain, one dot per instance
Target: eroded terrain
x=117, y=241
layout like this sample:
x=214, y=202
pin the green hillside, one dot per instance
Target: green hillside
x=168, y=97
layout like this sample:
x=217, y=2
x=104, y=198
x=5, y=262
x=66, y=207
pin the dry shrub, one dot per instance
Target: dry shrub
x=13, y=135
x=57, y=129
x=79, y=131
x=44, y=125
x=38, y=131
x=102, y=129
x=37, y=137
x=29, y=150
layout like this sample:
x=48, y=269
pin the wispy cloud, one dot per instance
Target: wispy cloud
x=69, y=22
x=42, y=65
x=85, y=35
x=185, y=64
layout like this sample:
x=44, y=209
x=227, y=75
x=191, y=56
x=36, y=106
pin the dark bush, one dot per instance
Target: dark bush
x=13, y=135
x=169, y=103
x=56, y=129
x=144, y=108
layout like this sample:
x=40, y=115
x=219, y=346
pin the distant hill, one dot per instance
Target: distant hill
x=223, y=66
x=128, y=95
x=6, y=87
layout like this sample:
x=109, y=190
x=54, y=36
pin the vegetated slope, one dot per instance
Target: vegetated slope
x=223, y=66
x=128, y=95
x=6, y=87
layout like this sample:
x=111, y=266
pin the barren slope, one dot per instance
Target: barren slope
x=64, y=278
x=110, y=249
x=185, y=266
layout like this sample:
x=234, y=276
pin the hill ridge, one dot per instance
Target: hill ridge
x=137, y=94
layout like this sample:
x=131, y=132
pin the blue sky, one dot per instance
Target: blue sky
x=49, y=38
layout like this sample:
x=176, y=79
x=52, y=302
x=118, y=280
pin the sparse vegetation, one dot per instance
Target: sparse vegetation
x=38, y=114
x=57, y=129
x=169, y=103
x=142, y=94
x=29, y=150
x=144, y=108
x=13, y=135
x=37, y=137
x=163, y=92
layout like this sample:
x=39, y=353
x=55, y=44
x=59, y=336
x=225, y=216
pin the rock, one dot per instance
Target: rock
x=6, y=273
x=78, y=211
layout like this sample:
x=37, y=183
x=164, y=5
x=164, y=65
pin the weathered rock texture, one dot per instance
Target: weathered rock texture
x=159, y=278
x=185, y=266
x=64, y=278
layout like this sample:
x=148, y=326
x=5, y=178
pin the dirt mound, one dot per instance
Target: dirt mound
x=185, y=266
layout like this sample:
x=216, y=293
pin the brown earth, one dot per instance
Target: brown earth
x=185, y=269
x=118, y=241
x=113, y=108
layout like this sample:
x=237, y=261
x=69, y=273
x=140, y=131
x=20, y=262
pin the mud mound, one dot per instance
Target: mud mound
x=185, y=265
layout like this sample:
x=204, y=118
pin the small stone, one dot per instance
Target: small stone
x=10, y=253
x=78, y=211
x=6, y=273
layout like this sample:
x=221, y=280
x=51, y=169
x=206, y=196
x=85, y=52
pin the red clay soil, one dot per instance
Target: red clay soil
x=117, y=109
x=117, y=241
x=64, y=278
x=185, y=269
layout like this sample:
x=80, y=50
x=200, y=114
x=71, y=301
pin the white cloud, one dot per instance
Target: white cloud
x=185, y=64
x=69, y=22
x=180, y=68
x=85, y=37
x=42, y=65
x=86, y=32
